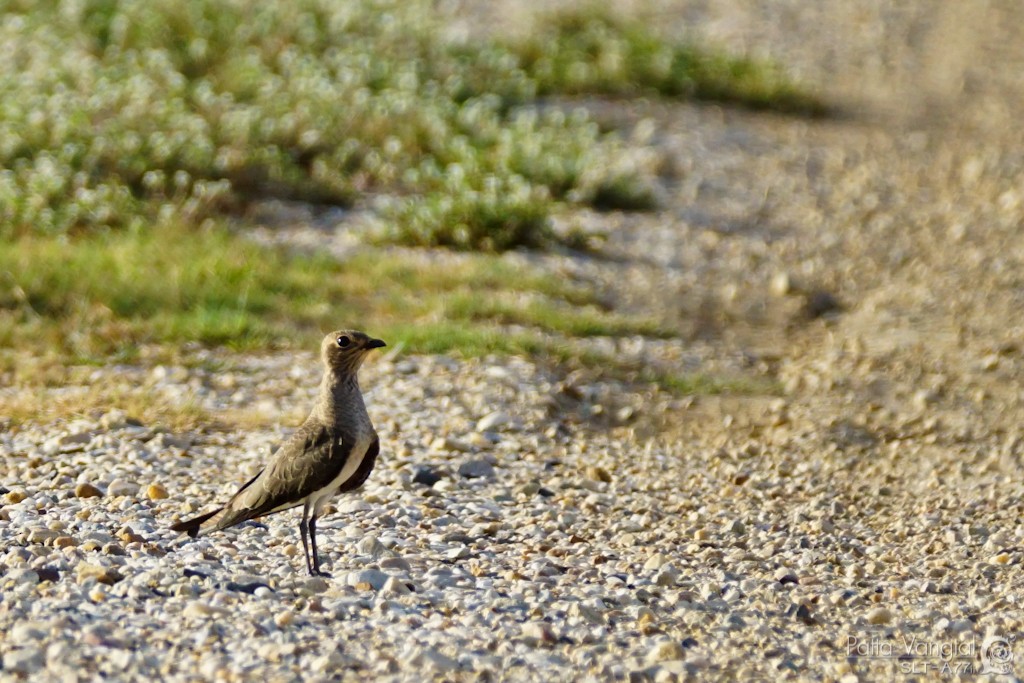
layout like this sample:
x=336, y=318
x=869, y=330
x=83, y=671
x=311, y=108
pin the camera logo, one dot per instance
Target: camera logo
x=996, y=656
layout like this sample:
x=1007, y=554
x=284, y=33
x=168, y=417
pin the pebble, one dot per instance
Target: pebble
x=538, y=631
x=19, y=577
x=87, y=490
x=107, y=575
x=25, y=661
x=15, y=497
x=784, y=576
x=666, y=576
x=428, y=476
x=664, y=651
x=654, y=562
x=436, y=662
x=394, y=587
x=120, y=487
x=476, y=469
x=367, y=579
x=369, y=545
x=494, y=420
x=156, y=492
x=880, y=615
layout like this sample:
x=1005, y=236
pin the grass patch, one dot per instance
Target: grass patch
x=120, y=114
x=101, y=296
x=593, y=51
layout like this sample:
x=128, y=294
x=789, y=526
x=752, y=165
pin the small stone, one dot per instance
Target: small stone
x=459, y=553
x=369, y=545
x=87, y=490
x=665, y=651
x=42, y=536
x=530, y=488
x=156, y=492
x=197, y=610
x=781, y=284
x=120, y=487
x=107, y=575
x=667, y=576
x=480, y=441
x=396, y=563
x=128, y=535
x=803, y=613
x=880, y=615
x=476, y=469
x=737, y=527
x=449, y=443
x=654, y=562
x=18, y=577
x=539, y=631
x=64, y=542
x=785, y=576
x=493, y=421
x=284, y=619
x=436, y=661
x=114, y=419
x=625, y=414
x=24, y=631
x=960, y=626
x=595, y=473
x=394, y=587
x=427, y=476
x=331, y=662
x=367, y=579
x=15, y=497
x=24, y=660
x=75, y=442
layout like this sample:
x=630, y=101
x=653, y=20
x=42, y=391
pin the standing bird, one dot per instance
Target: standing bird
x=332, y=452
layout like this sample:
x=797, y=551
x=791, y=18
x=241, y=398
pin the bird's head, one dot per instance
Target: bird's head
x=344, y=350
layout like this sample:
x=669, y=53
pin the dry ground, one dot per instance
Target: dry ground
x=901, y=220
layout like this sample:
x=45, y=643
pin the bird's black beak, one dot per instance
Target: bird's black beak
x=374, y=344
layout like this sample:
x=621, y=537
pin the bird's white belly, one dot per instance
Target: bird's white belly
x=320, y=498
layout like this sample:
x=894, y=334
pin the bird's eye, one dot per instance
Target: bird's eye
x=344, y=341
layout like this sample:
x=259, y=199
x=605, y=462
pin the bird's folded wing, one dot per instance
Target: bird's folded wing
x=306, y=463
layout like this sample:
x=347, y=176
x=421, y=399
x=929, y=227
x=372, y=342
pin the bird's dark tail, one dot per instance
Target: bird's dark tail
x=192, y=526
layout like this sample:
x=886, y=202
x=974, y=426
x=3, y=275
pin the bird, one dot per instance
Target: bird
x=333, y=452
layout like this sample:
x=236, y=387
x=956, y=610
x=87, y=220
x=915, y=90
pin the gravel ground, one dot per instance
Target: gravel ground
x=864, y=525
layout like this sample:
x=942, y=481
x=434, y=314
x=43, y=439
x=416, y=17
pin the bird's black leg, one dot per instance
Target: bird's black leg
x=312, y=542
x=303, y=529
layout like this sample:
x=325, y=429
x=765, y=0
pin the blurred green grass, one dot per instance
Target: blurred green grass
x=94, y=296
x=593, y=51
x=132, y=133
x=119, y=112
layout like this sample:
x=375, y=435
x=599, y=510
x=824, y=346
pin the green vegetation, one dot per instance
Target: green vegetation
x=114, y=113
x=132, y=133
x=100, y=296
x=594, y=52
